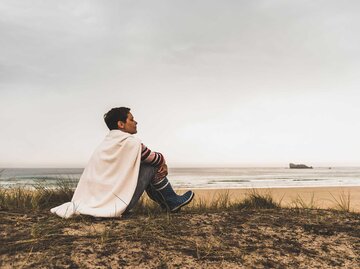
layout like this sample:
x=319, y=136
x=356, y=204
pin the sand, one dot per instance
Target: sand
x=314, y=197
x=224, y=238
x=262, y=238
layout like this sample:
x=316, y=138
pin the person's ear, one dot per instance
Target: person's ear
x=121, y=124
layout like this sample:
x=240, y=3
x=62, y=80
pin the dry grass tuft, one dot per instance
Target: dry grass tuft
x=343, y=201
x=220, y=201
x=41, y=197
x=299, y=202
x=256, y=200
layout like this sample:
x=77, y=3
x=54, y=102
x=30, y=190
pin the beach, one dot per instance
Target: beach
x=315, y=197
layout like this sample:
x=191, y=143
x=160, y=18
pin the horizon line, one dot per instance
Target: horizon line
x=198, y=165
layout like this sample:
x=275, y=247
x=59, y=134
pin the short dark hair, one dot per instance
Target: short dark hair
x=114, y=115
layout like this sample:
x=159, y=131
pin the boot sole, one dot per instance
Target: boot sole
x=176, y=209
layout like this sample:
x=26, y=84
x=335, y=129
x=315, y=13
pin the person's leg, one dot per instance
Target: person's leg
x=170, y=198
x=146, y=174
x=159, y=191
x=155, y=196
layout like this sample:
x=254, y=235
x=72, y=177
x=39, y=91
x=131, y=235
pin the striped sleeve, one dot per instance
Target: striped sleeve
x=151, y=157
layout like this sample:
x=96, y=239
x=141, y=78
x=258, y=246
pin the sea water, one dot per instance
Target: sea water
x=262, y=177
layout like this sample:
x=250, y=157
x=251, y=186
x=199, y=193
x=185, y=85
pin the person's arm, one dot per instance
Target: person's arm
x=155, y=159
x=151, y=157
x=161, y=172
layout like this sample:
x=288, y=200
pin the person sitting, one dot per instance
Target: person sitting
x=118, y=173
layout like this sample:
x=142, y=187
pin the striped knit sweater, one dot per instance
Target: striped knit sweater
x=151, y=157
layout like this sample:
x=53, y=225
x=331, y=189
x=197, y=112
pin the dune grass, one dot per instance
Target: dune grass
x=37, y=198
x=256, y=200
x=41, y=198
x=343, y=201
x=299, y=202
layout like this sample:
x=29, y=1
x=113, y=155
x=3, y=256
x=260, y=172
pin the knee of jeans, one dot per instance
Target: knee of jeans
x=148, y=169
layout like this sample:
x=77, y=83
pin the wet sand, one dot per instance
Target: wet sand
x=315, y=197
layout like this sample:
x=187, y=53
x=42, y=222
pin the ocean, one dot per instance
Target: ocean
x=212, y=178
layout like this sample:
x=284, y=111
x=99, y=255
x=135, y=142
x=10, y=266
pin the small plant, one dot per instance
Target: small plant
x=343, y=201
x=105, y=236
x=221, y=201
x=208, y=247
x=256, y=200
x=299, y=202
x=198, y=205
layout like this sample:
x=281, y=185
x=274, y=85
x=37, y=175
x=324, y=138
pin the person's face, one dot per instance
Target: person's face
x=129, y=126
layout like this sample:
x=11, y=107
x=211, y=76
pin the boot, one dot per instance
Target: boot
x=172, y=201
x=155, y=196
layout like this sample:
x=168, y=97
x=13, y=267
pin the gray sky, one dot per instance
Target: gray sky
x=209, y=82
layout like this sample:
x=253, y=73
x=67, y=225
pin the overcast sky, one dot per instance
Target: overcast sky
x=214, y=83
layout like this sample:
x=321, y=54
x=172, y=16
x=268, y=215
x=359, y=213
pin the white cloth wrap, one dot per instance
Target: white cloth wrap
x=109, y=180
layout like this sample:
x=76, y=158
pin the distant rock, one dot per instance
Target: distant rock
x=299, y=166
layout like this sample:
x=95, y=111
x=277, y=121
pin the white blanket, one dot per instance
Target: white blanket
x=109, y=180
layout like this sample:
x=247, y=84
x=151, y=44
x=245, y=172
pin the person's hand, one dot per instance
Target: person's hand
x=162, y=171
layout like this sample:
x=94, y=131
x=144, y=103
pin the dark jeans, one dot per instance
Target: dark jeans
x=146, y=174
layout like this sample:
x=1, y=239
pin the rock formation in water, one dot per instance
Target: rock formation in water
x=299, y=166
